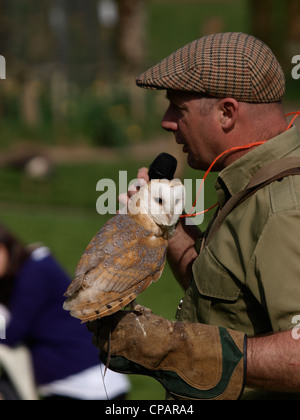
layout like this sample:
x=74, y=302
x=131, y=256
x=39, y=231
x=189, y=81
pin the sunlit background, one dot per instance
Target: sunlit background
x=70, y=113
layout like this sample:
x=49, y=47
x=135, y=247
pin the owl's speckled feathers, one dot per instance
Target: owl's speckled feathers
x=127, y=254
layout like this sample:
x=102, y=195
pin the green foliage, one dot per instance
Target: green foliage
x=103, y=114
x=92, y=103
x=104, y=118
x=174, y=24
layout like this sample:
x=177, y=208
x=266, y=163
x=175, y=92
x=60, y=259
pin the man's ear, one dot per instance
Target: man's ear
x=229, y=109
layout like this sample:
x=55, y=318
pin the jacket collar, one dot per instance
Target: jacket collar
x=235, y=177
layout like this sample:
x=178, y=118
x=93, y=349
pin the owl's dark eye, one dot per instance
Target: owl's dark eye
x=159, y=201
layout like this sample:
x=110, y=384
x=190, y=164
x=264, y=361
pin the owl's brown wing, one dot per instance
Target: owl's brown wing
x=122, y=260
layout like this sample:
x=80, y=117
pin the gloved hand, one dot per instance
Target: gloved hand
x=191, y=361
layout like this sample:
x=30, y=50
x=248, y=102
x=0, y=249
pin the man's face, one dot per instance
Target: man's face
x=192, y=122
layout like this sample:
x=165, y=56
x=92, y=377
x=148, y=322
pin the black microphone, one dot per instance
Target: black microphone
x=163, y=167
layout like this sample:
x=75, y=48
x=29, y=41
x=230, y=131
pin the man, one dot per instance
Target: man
x=225, y=92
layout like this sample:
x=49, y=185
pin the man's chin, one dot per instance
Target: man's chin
x=192, y=162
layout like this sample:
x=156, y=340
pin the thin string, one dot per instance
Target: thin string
x=232, y=149
x=103, y=381
x=100, y=365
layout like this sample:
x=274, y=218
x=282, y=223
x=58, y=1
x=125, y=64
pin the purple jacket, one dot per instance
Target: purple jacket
x=60, y=345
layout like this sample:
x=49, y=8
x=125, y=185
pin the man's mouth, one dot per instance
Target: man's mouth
x=185, y=148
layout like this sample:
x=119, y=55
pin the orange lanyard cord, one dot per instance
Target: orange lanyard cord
x=232, y=149
x=296, y=115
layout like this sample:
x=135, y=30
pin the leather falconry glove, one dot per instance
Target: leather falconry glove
x=191, y=361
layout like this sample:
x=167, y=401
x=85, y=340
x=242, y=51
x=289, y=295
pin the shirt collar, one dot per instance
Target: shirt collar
x=235, y=177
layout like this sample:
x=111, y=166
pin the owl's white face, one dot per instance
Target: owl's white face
x=162, y=200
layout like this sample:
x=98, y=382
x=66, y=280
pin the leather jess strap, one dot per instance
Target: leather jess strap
x=269, y=173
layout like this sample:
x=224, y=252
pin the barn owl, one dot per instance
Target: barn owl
x=128, y=253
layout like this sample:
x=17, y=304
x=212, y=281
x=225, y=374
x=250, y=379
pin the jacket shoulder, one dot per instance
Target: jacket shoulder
x=285, y=194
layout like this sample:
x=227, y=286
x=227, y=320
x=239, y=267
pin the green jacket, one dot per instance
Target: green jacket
x=248, y=277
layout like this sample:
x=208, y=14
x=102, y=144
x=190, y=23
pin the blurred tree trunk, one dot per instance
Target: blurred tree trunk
x=293, y=24
x=58, y=23
x=4, y=27
x=269, y=21
x=131, y=43
x=30, y=102
x=261, y=13
x=132, y=34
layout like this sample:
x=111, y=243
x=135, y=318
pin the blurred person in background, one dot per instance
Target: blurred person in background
x=65, y=363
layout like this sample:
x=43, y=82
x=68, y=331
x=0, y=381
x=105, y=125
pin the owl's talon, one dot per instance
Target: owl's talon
x=134, y=306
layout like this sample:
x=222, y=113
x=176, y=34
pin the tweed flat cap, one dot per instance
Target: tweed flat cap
x=231, y=64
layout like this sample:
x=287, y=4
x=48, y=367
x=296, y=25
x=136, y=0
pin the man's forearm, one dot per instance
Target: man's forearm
x=181, y=252
x=273, y=362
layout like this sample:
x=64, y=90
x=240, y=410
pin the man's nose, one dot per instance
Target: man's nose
x=168, y=123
